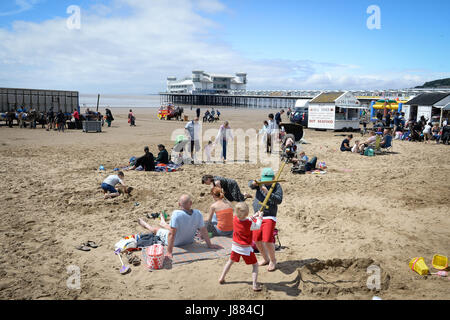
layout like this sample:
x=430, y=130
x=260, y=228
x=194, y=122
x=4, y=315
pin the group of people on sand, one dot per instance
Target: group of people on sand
x=223, y=219
x=370, y=143
x=272, y=130
x=192, y=143
x=421, y=130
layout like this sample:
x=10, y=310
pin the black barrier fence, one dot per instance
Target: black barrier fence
x=40, y=100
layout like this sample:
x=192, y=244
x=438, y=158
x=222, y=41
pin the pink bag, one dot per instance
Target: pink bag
x=154, y=256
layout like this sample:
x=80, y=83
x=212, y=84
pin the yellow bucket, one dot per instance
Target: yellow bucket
x=418, y=265
x=440, y=262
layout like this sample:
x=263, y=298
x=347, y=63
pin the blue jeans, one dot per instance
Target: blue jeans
x=224, y=149
x=108, y=187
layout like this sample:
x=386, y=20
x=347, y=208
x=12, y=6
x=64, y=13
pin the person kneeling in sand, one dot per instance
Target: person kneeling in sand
x=182, y=228
x=242, y=240
x=109, y=184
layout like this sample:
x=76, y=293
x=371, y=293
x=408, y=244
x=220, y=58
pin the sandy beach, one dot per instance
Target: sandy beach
x=383, y=210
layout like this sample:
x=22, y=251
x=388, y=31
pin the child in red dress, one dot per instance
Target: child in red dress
x=242, y=242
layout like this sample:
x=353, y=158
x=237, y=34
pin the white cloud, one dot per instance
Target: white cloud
x=132, y=46
x=23, y=5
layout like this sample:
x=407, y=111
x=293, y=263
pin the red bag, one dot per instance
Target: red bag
x=153, y=256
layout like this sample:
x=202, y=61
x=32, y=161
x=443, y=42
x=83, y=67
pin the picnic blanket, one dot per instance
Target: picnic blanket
x=199, y=251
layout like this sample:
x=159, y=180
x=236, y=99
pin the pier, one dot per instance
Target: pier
x=227, y=100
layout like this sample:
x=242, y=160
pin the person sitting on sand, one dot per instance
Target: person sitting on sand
x=230, y=187
x=345, y=146
x=147, y=161
x=182, y=228
x=264, y=238
x=370, y=142
x=220, y=218
x=302, y=158
x=163, y=155
x=241, y=247
x=109, y=184
x=386, y=142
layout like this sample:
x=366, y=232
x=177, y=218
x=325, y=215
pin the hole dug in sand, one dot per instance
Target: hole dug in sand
x=339, y=276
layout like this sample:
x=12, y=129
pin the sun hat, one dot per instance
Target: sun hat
x=267, y=174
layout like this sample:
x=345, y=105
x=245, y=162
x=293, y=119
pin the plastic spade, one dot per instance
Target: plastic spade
x=124, y=269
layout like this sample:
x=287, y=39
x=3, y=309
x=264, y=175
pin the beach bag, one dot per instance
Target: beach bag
x=153, y=256
x=126, y=244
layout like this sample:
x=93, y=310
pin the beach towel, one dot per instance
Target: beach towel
x=198, y=251
x=171, y=167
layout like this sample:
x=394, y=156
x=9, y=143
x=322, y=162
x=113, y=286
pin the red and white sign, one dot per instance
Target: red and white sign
x=321, y=116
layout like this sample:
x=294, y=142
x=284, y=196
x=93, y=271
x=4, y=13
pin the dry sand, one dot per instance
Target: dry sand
x=383, y=210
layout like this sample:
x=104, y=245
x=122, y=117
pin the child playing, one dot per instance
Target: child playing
x=242, y=240
x=208, y=149
x=355, y=148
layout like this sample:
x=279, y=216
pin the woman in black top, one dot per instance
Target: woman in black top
x=345, y=146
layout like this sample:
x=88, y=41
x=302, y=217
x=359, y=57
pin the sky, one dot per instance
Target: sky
x=132, y=46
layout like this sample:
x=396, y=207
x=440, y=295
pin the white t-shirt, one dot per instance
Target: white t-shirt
x=112, y=180
x=427, y=129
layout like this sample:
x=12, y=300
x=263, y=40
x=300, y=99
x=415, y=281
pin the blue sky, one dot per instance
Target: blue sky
x=131, y=46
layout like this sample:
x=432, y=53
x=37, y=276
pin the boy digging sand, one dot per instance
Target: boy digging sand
x=242, y=240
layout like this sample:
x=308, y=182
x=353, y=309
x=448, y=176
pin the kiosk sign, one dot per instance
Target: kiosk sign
x=321, y=116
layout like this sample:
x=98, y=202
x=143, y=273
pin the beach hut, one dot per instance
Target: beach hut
x=334, y=111
x=428, y=105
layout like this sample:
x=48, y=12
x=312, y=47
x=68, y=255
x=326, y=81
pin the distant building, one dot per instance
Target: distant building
x=202, y=82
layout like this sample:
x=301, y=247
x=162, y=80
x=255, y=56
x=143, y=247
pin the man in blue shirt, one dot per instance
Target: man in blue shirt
x=182, y=228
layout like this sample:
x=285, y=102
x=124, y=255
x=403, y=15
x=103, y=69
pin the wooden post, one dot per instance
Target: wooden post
x=98, y=101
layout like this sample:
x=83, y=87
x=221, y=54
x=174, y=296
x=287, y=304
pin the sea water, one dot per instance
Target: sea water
x=120, y=101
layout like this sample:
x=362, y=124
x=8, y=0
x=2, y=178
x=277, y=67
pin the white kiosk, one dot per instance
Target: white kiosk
x=334, y=111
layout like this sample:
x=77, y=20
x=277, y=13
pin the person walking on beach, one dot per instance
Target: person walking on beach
x=224, y=136
x=264, y=238
x=60, y=120
x=50, y=119
x=76, y=116
x=182, y=228
x=241, y=246
x=109, y=117
x=230, y=187
x=272, y=133
x=131, y=119
x=193, y=129
x=278, y=117
x=198, y=112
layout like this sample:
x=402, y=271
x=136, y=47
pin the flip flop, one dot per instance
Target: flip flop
x=91, y=244
x=83, y=247
x=259, y=289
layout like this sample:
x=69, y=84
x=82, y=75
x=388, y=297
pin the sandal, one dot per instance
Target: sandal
x=132, y=259
x=83, y=247
x=91, y=244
